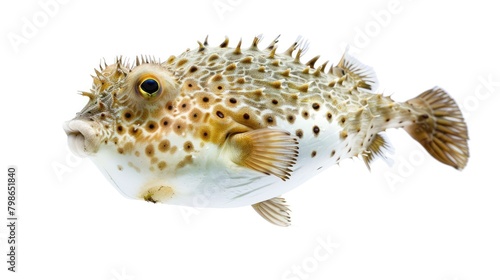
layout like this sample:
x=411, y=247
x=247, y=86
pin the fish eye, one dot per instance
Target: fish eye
x=149, y=87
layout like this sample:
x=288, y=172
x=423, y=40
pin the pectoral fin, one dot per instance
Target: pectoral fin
x=274, y=210
x=269, y=151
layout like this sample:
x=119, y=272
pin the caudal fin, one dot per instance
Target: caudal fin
x=441, y=129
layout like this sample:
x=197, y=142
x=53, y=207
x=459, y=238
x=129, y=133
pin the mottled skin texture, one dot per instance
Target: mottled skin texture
x=248, y=124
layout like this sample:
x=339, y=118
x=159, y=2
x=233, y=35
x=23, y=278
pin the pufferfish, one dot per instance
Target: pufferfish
x=229, y=127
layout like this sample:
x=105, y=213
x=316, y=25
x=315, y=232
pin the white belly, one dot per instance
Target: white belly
x=211, y=180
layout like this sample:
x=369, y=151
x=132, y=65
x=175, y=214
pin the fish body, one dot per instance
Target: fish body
x=228, y=127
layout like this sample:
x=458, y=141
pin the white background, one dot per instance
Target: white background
x=416, y=219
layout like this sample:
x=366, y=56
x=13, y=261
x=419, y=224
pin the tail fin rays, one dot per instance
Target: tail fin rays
x=442, y=131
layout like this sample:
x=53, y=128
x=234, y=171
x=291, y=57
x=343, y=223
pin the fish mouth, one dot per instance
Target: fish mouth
x=82, y=137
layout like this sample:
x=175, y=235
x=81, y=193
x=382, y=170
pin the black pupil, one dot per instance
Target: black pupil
x=150, y=86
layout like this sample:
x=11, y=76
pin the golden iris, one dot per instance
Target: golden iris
x=149, y=87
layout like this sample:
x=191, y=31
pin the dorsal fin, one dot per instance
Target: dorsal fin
x=365, y=75
x=376, y=149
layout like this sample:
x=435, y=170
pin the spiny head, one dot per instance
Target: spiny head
x=122, y=97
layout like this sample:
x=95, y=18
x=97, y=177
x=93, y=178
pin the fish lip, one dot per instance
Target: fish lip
x=82, y=139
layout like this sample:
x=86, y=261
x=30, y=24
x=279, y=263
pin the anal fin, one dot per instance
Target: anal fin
x=274, y=210
x=376, y=149
x=269, y=151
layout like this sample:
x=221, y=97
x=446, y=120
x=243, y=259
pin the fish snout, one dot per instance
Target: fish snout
x=83, y=138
